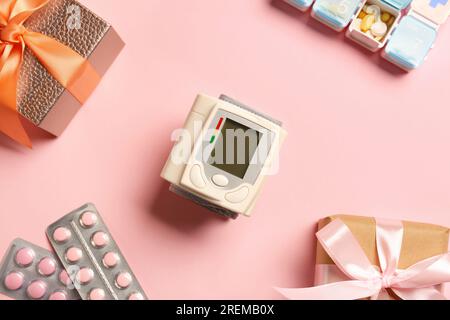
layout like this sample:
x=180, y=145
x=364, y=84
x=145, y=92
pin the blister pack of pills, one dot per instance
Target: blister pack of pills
x=29, y=272
x=87, y=250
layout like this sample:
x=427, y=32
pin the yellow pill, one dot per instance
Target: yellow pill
x=367, y=22
x=362, y=14
x=391, y=21
x=385, y=17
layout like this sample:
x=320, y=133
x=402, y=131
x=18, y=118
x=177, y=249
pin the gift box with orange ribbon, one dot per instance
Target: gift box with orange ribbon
x=371, y=258
x=53, y=54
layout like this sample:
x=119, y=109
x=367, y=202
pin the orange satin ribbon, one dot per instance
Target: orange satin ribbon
x=70, y=69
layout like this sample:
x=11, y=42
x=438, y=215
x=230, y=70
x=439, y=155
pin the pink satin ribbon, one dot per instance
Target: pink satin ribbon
x=365, y=280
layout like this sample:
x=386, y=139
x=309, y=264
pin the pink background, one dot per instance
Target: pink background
x=364, y=138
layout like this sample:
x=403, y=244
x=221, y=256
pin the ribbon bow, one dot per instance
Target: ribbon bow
x=365, y=280
x=69, y=68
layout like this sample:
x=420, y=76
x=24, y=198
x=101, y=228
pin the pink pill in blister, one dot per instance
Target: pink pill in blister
x=62, y=234
x=74, y=254
x=58, y=295
x=37, y=289
x=97, y=294
x=64, y=278
x=136, y=296
x=110, y=260
x=85, y=275
x=14, y=281
x=47, y=266
x=25, y=257
x=88, y=219
x=93, y=249
x=100, y=239
x=32, y=273
x=123, y=280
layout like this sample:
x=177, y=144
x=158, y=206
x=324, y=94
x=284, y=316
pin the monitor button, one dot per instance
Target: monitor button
x=238, y=196
x=220, y=180
x=197, y=177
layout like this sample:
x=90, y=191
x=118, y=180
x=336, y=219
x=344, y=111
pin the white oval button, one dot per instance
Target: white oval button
x=238, y=196
x=220, y=180
x=196, y=177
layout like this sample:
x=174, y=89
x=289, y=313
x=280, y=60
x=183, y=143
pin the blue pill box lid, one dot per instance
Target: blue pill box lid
x=410, y=42
x=335, y=13
x=398, y=4
x=301, y=4
x=436, y=11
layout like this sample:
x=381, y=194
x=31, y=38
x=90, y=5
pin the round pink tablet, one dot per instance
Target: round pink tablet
x=37, y=289
x=47, y=266
x=88, y=219
x=85, y=275
x=100, y=239
x=123, y=280
x=58, y=295
x=136, y=296
x=110, y=260
x=97, y=294
x=14, y=281
x=25, y=257
x=74, y=254
x=64, y=278
x=61, y=235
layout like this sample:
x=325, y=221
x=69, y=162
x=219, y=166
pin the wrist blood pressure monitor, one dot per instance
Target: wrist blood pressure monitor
x=223, y=154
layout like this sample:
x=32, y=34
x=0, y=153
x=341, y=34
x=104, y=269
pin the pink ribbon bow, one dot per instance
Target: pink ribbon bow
x=365, y=280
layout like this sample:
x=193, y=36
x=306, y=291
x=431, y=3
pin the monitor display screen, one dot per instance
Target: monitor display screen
x=235, y=147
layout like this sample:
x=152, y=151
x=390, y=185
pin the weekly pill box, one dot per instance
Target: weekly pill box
x=95, y=263
x=408, y=38
x=29, y=272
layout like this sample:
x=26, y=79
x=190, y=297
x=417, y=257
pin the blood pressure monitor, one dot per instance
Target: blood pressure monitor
x=223, y=154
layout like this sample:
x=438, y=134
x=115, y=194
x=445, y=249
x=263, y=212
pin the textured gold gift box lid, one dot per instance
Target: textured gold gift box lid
x=420, y=240
x=40, y=98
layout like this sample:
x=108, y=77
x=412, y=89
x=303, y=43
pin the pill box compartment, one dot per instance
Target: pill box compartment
x=435, y=11
x=302, y=5
x=336, y=14
x=411, y=42
x=366, y=38
x=415, y=35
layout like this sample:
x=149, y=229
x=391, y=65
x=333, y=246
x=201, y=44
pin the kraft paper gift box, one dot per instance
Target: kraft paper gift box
x=420, y=241
x=40, y=98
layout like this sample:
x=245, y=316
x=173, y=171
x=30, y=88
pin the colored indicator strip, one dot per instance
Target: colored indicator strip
x=219, y=124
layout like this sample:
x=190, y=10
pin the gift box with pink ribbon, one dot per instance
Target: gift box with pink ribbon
x=370, y=258
x=53, y=54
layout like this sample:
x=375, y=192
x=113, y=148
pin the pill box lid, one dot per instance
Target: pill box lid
x=437, y=11
x=398, y=4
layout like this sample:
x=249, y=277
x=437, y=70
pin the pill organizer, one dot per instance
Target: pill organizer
x=223, y=155
x=375, y=21
x=407, y=39
x=415, y=35
x=29, y=272
x=95, y=263
x=336, y=14
x=302, y=5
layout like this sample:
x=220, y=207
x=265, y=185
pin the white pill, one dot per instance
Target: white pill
x=375, y=10
x=378, y=29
